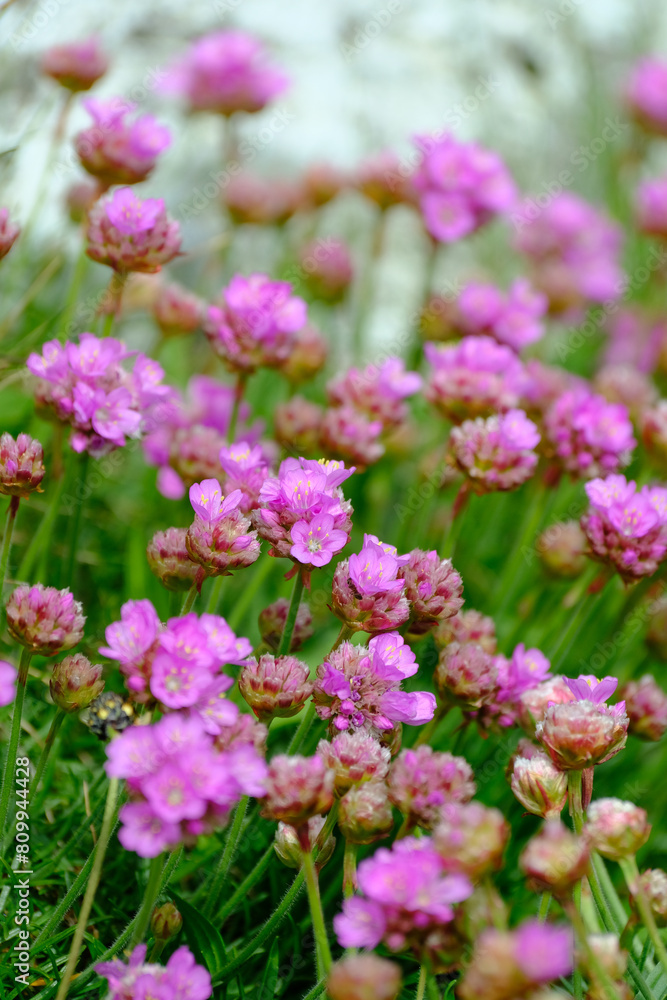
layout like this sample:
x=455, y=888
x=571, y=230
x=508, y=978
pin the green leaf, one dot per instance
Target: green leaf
x=204, y=939
x=270, y=977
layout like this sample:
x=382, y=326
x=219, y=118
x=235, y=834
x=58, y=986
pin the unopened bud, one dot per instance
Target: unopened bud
x=616, y=829
x=539, y=785
x=555, y=859
x=653, y=882
x=75, y=682
x=562, y=549
x=21, y=465
x=364, y=977
x=170, y=560
x=646, y=705
x=166, y=922
x=275, y=686
x=287, y=846
x=471, y=838
x=272, y=621
x=365, y=813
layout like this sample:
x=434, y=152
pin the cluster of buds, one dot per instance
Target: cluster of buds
x=118, y=151
x=555, y=859
x=355, y=758
x=562, y=549
x=496, y=453
x=221, y=537
x=86, y=386
x=616, y=829
x=475, y=378
x=460, y=187
x=364, y=977
x=296, y=789
x=433, y=588
x=586, y=731
x=21, y=465
x=43, y=619
x=422, y=781
x=367, y=593
x=75, y=65
x=470, y=838
x=385, y=180
x=364, y=814
x=626, y=528
x=129, y=234
x=538, y=784
x=467, y=626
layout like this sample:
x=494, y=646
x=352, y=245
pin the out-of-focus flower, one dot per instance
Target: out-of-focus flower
x=588, y=436
x=272, y=621
x=507, y=964
x=75, y=65
x=365, y=815
x=562, y=548
x=350, y=435
x=297, y=425
x=354, y=758
x=466, y=675
x=533, y=704
x=176, y=310
x=360, y=686
x=616, y=829
x=321, y=183
x=421, y=781
x=379, y=391
x=467, y=626
x=44, y=619
x=180, y=785
x=305, y=495
x=307, y=357
x=21, y=465
x=255, y=324
x=383, y=179
x=475, y=378
x=406, y=895
x=555, y=859
x=327, y=265
x=460, y=187
x=626, y=528
x=297, y=788
x=646, y=705
x=181, y=977
x=225, y=72
x=496, y=453
x=574, y=249
x=580, y=734
x=470, y=838
x=653, y=882
x=9, y=232
x=132, y=235
x=75, y=682
x=622, y=383
x=118, y=151
x=364, y=977
x=514, y=318
x=645, y=94
x=251, y=199
x=636, y=338
x=8, y=678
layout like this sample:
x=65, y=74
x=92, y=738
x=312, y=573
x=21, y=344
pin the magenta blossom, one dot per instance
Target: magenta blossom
x=652, y=207
x=475, y=378
x=460, y=187
x=226, y=71
x=646, y=90
x=586, y=687
x=587, y=435
x=245, y=467
x=525, y=670
x=406, y=896
x=514, y=319
x=358, y=686
x=367, y=593
x=180, y=786
x=496, y=453
x=118, y=151
x=141, y=980
x=317, y=541
x=377, y=391
x=626, y=528
x=75, y=65
x=513, y=963
x=208, y=501
x=129, y=234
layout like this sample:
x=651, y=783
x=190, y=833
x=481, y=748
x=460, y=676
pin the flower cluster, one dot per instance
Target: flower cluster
x=129, y=234
x=86, y=386
x=367, y=594
x=9, y=232
x=221, y=537
x=44, y=619
x=180, y=785
x=496, y=453
x=360, y=686
x=433, y=589
x=256, y=323
x=574, y=249
x=514, y=318
x=586, y=731
x=225, y=72
x=178, y=664
x=422, y=781
x=181, y=977
x=587, y=435
x=460, y=187
x=626, y=528
x=304, y=515
x=21, y=465
x=475, y=378
x=118, y=151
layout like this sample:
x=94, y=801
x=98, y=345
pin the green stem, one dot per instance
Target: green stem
x=300, y=734
x=595, y=966
x=545, y=903
x=116, y=286
x=286, y=640
x=511, y=576
x=75, y=287
x=574, y=780
x=40, y=541
x=214, y=596
x=321, y=940
x=12, y=511
x=421, y=985
x=150, y=895
x=12, y=746
x=190, y=599
x=156, y=950
x=318, y=990
x=91, y=889
x=631, y=875
x=350, y=868
x=239, y=389
x=227, y=857
x=76, y=526
x=249, y=592
x=609, y=898
x=48, y=745
x=365, y=301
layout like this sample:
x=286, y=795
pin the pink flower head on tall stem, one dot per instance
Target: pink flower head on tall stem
x=626, y=528
x=587, y=435
x=129, y=234
x=514, y=318
x=496, y=453
x=75, y=65
x=645, y=94
x=118, y=151
x=475, y=378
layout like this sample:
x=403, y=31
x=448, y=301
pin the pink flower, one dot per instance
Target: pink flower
x=118, y=151
x=182, y=978
x=377, y=391
x=625, y=527
x=406, y=896
x=477, y=377
x=132, y=235
x=21, y=465
x=208, y=501
x=589, y=688
x=44, y=619
x=317, y=541
x=245, y=467
x=367, y=593
x=646, y=90
x=130, y=215
x=8, y=676
x=514, y=319
x=652, y=207
x=75, y=65
x=460, y=187
x=496, y=453
x=513, y=963
x=227, y=71
x=132, y=640
x=589, y=436
x=349, y=434
x=422, y=781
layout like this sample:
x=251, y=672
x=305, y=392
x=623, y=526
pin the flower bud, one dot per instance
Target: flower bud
x=539, y=785
x=555, y=859
x=348, y=434
x=75, y=682
x=80, y=198
x=223, y=545
x=44, y=619
x=296, y=425
x=166, y=922
x=297, y=788
x=287, y=847
x=533, y=703
x=653, y=882
x=509, y=964
x=76, y=65
x=272, y=621
x=434, y=589
x=484, y=908
x=422, y=780
x=354, y=758
x=466, y=675
x=470, y=838
x=275, y=686
x=562, y=548
x=328, y=268
x=580, y=734
x=176, y=310
x=108, y=713
x=21, y=465
x=646, y=705
x=364, y=977
x=170, y=560
x=365, y=813
x=467, y=626
x=616, y=829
